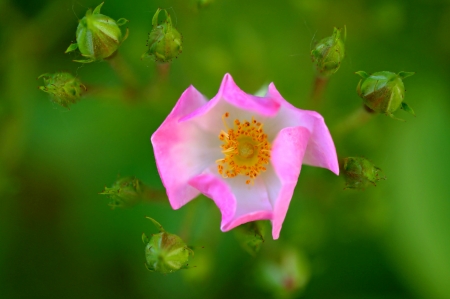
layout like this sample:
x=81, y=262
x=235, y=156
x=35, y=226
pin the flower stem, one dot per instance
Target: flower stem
x=319, y=86
x=163, y=70
x=151, y=195
x=155, y=88
x=188, y=220
x=358, y=118
x=125, y=73
x=109, y=93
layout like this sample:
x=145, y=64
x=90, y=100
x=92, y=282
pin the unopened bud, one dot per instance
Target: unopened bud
x=329, y=53
x=286, y=275
x=251, y=236
x=64, y=88
x=204, y=3
x=164, y=41
x=384, y=92
x=98, y=36
x=359, y=173
x=125, y=192
x=165, y=252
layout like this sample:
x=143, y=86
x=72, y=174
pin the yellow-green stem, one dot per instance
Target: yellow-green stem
x=125, y=73
x=319, y=86
x=358, y=118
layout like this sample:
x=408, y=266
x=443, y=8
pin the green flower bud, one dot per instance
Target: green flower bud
x=164, y=41
x=125, y=192
x=204, y=3
x=359, y=173
x=329, y=53
x=98, y=36
x=384, y=92
x=165, y=252
x=63, y=88
x=251, y=236
x=286, y=275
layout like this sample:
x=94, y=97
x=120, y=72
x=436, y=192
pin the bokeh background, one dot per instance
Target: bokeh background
x=59, y=238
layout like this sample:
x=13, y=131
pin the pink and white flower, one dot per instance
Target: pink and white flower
x=242, y=151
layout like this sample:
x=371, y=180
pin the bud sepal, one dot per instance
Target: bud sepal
x=165, y=252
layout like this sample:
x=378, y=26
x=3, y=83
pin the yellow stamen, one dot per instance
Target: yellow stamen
x=246, y=149
x=226, y=114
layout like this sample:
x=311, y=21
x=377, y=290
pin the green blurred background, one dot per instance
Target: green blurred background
x=59, y=238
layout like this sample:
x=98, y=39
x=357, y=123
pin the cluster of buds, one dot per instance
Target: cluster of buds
x=359, y=173
x=64, y=88
x=98, y=36
x=165, y=252
x=329, y=53
x=164, y=41
x=384, y=92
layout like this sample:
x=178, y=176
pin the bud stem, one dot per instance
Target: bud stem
x=109, y=93
x=319, y=85
x=151, y=195
x=188, y=220
x=358, y=118
x=162, y=69
x=125, y=73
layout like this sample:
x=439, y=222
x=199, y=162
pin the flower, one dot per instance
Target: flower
x=242, y=151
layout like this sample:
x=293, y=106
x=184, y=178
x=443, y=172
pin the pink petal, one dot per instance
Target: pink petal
x=287, y=154
x=175, y=153
x=213, y=187
x=230, y=92
x=231, y=95
x=321, y=151
x=238, y=202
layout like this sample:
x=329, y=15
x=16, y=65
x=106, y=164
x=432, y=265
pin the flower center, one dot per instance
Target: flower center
x=245, y=148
